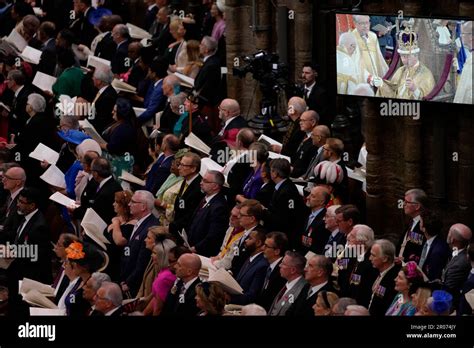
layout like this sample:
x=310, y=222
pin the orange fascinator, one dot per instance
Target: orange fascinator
x=75, y=251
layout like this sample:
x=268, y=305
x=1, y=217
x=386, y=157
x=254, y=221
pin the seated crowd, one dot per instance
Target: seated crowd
x=277, y=218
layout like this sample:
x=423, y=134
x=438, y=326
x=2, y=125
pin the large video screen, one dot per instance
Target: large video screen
x=409, y=58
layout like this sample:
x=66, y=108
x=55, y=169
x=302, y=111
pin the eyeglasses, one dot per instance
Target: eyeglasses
x=408, y=202
x=135, y=202
x=268, y=246
x=9, y=177
x=185, y=165
x=208, y=182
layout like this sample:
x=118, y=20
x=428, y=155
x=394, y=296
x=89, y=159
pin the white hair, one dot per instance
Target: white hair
x=104, y=74
x=147, y=198
x=98, y=278
x=356, y=310
x=346, y=38
x=253, y=309
x=113, y=293
x=364, y=233
x=37, y=102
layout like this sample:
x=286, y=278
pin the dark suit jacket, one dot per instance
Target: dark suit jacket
x=383, y=296
x=48, y=58
x=120, y=61
x=455, y=274
x=275, y=284
x=286, y=212
x=303, y=305
x=35, y=233
x=158, y=174
x=361, y=279
x=9, y=220
x=302, y=158
x=104, y=106
x=101, y=201
x=161, y=39
x=150, y=16
x=464, y=307
x=135, y=257
x=315, y=237
x=436, y=259
x=208, y=226
x=185, y=205
x=251, y=278
x=294, y=137
x=231, y=130
x=208, y=80
x=175, y=305
x=236, y=178
x=241, y=254
x=18, y=114
x=106, y=47
x=265, y=194
x=318, y=101
x=83, y=30
x=413, y=250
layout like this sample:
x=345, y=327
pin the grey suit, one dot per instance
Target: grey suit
x=455, y=274
x=280, y=306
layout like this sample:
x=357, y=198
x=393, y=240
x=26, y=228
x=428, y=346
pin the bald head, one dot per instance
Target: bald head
x=459, y=236
x=229, y=108
x=14, y=179
x=188, y=266
x=296, y=106
x=245, y=138
x=466, y=32
x=169, y=85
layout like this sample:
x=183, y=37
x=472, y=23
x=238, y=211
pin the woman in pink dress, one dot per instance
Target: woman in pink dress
x=219, y=27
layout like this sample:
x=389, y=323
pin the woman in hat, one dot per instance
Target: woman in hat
x=409, y=279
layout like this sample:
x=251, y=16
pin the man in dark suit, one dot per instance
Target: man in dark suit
x=107, y=47
x=347, y=216
x=382, y=256
x=48, y=60
x=435, y=253
x=16, y=81
x=108, y=300
x=315, y=96
x=171, y=85
x=315, y=235
x=120, y=61
x=136, y=256
x=238, y=169
x=103, y=198
x=150, y=13
x=301, y=159
x=160, y=170
x=209, y=221
x=250, y=214
x=330, y=222
x=208, y=80
x=317, y=273
x=411, y=244
x=105, y=99
x=319, y=135
x=287, y=209
x=229, y=113
x=292, y=269
x=464, y=306
x=294, y=135
x=458, y=268
x=161, y=31
x=252, y=274
x=181, y=299
x=81, y=26
x=189, y=194
x=32, y=233
x=275, y=246
x=13, y=181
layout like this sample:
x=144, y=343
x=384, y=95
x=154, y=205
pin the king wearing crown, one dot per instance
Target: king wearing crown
x=413, y=80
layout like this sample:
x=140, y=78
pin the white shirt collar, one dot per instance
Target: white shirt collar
x=253, y=257
x=157, y=82
x=310, y=88
x=18, y=91
x=192, y=179
x=333, y=233
x=109, y=313
x=141, y=220
x=102, y=183
x=208, y=198
x=382, y=274
x=290, y=285
x=228, y=121
x=189, y=283
x=151, y=7
x=206, y=58
x=316, y=288
x=275, y=263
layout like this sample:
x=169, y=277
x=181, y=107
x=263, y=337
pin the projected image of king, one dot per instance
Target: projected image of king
x=413, y=80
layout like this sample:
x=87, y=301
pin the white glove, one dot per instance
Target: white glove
x=377, y=81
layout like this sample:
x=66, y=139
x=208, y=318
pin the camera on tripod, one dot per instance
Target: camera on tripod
x=266, y=69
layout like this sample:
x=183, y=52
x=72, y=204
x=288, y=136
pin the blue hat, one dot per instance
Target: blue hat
x=97, y=14
x=442, y=301
x=73, y=136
